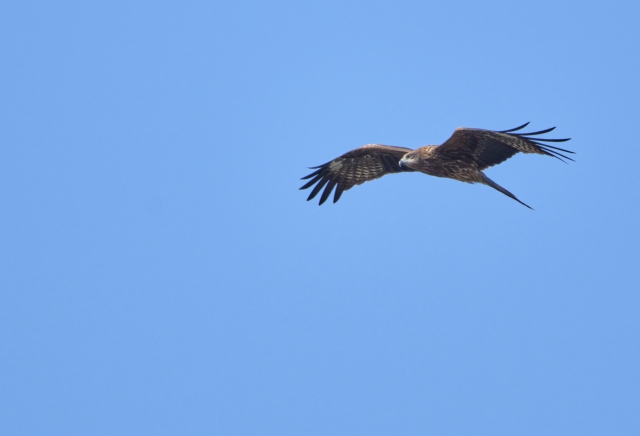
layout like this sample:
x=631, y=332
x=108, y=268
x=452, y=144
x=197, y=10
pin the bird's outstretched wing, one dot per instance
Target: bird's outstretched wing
x=366, y=163
x=487, y=147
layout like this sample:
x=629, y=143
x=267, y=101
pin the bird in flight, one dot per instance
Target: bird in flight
x=462, y=157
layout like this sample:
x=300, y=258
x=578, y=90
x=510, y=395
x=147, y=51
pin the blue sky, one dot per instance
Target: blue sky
x=161, y=273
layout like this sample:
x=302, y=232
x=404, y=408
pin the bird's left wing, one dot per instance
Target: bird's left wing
x=487, y=147
x=355, y=167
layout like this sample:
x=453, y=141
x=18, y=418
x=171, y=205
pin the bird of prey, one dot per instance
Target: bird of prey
x=461, y=157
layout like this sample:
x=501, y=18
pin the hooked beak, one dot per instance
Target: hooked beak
x=403, y=165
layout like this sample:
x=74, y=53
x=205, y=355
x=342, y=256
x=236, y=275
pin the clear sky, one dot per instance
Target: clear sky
x=162, y=274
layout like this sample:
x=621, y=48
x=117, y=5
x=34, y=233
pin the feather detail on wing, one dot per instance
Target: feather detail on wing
x=486, y=148
x=361, y=165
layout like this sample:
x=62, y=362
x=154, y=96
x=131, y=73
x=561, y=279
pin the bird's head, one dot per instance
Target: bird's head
x=410, y=160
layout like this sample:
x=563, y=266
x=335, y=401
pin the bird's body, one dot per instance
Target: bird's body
x=427, y=160
x=462, y=157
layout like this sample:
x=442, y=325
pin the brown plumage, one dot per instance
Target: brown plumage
x=461, y=157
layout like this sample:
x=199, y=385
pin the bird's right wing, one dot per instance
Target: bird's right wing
x=366, y=163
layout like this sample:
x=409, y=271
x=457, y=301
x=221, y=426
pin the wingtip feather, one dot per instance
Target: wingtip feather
x=311, y=182
x=515, y=129
x=338, y=193
x=327, y=191
x=539, y=132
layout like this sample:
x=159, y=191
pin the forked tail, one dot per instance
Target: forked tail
x=487, y=181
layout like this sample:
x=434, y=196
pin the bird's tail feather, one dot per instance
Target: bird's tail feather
x=487, y=181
